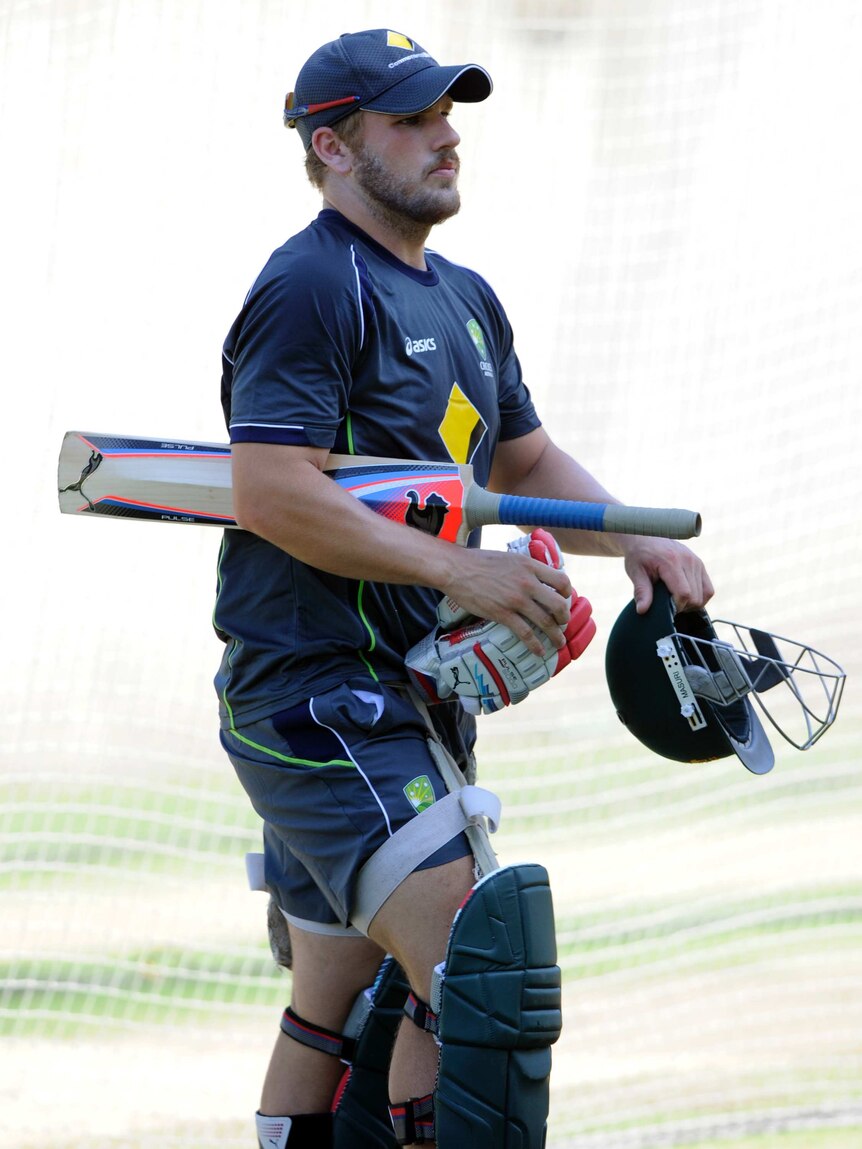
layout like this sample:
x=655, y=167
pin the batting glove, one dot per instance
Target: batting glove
x=484, y=663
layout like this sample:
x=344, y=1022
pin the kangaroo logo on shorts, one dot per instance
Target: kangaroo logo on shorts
x=420, y=793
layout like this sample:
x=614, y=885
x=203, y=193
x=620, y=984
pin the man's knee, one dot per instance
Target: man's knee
x=415, y=922
x=329, y=972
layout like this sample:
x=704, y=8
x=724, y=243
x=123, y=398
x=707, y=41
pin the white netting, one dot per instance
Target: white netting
x=666, y=197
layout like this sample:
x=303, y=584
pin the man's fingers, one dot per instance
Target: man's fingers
x=525, y=629
x=558, y=580
x=553, y=593
x=683, y=573
x=691, y=589
x=538, y=598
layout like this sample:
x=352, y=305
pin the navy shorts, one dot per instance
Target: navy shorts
x=333, y=778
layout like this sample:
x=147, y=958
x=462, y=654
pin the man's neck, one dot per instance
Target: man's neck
x=403, y=238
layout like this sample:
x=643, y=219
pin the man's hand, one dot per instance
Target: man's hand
x=648, y=560
x=485, y=663
x=534, y=465
x=526, y=594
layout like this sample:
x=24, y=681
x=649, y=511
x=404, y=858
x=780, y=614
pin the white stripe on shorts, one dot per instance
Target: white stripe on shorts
x=365, y=697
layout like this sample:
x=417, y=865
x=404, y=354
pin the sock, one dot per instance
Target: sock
x=304, y=1131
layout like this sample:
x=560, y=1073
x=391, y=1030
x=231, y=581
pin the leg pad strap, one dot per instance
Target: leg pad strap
x=316, y=1037
x=420, y=1014
x=413, y=1120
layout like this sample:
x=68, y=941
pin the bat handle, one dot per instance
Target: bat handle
x=664, y=522
x=670, y=523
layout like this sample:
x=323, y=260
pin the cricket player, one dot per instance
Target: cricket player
x=357, y=338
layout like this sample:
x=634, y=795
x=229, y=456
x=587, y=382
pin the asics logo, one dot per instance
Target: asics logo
x=417, y=346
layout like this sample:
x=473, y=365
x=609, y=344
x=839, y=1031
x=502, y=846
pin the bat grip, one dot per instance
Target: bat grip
x=667, y=523
x=664, y=522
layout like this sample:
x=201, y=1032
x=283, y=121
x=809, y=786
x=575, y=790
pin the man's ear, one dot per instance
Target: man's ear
x=332, y=150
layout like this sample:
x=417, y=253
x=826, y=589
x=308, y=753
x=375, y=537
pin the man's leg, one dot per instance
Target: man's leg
x=330, y=972
x=328, y=975
x=413, y=925
x=494, y=1007
x=371, y=764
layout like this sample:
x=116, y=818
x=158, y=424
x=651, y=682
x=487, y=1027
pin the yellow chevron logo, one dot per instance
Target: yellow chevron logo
x=463, y=428
x=396, y=40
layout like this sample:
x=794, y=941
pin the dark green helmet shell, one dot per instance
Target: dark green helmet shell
x=654, y=700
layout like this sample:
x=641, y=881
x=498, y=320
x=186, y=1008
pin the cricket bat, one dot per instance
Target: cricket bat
x=178, y=481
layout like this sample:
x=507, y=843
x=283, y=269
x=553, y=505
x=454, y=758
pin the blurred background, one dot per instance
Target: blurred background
x=665, y=194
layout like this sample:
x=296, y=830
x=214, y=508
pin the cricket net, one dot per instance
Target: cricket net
x=664, y=195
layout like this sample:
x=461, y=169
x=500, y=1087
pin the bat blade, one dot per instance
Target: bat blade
x=181, y=481
x=158, y=480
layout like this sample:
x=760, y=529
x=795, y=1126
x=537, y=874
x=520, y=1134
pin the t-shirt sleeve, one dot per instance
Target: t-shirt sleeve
x=288, y=358
x=518, y=415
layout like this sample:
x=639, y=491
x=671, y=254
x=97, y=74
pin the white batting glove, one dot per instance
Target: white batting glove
x=483, y=662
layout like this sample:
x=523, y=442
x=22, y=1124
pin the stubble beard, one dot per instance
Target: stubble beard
x=408, y=210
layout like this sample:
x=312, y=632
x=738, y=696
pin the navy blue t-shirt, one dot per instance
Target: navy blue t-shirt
x=341, y=345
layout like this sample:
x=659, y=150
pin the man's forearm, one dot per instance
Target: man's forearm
x=282, y=495
x=536, y=467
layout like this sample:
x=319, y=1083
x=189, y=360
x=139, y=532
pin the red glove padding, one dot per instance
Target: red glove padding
x=580, y=631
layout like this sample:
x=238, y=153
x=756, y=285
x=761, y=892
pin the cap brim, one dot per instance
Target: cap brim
x=468, y=84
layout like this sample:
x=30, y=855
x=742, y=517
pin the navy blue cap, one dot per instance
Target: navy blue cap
x=380, y=71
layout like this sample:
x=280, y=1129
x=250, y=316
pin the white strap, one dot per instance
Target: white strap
x=417, y=840
x=477, y=833
x=254, y=872
x=478, y=804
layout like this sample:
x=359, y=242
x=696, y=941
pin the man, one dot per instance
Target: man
x=356, y=339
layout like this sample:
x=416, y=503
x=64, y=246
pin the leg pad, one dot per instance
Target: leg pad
x=361, y=1105
x=498, y=1004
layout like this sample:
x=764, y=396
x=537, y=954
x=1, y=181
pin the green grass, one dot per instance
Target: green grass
x=642, y=934
x=81, y=836
x=558, y=794
x=128, y=827
x=158, y=986
x=850, y=1138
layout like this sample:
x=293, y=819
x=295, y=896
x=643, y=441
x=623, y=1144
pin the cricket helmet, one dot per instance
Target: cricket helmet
x=685, y=684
